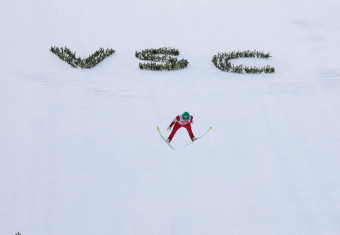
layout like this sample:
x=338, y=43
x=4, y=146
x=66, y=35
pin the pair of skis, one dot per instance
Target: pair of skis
x=186, y=144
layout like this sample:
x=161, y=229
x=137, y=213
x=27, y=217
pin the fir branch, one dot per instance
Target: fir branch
x=70, y=57
x=165, y=56
x=222, y=62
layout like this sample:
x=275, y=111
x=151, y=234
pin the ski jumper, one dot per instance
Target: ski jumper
x=179, y=122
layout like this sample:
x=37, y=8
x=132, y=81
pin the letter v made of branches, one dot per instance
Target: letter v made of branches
x=70, y=57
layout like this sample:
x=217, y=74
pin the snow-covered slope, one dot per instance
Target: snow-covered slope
x=79, y=150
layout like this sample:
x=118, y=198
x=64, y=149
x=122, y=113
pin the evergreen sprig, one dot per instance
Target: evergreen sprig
x=222, y=62
x=70, y=57
x=164, y=55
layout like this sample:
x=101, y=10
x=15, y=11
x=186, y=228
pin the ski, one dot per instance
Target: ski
x=164, y=138
x=199, y=137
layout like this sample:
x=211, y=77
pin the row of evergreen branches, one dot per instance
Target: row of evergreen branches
x=222, y=62
x=164, y=55
x=70, y=57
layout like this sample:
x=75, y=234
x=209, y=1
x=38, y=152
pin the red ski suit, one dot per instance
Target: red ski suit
x=179, y=122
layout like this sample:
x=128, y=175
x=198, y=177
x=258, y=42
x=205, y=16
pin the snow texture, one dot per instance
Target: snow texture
x=79, y=149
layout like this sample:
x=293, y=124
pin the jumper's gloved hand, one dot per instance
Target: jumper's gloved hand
x=169, y=128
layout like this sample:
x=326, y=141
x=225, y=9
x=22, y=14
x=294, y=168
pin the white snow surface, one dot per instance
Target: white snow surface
x=79, y=150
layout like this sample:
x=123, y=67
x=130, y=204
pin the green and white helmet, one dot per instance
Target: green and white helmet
x=185, y=116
